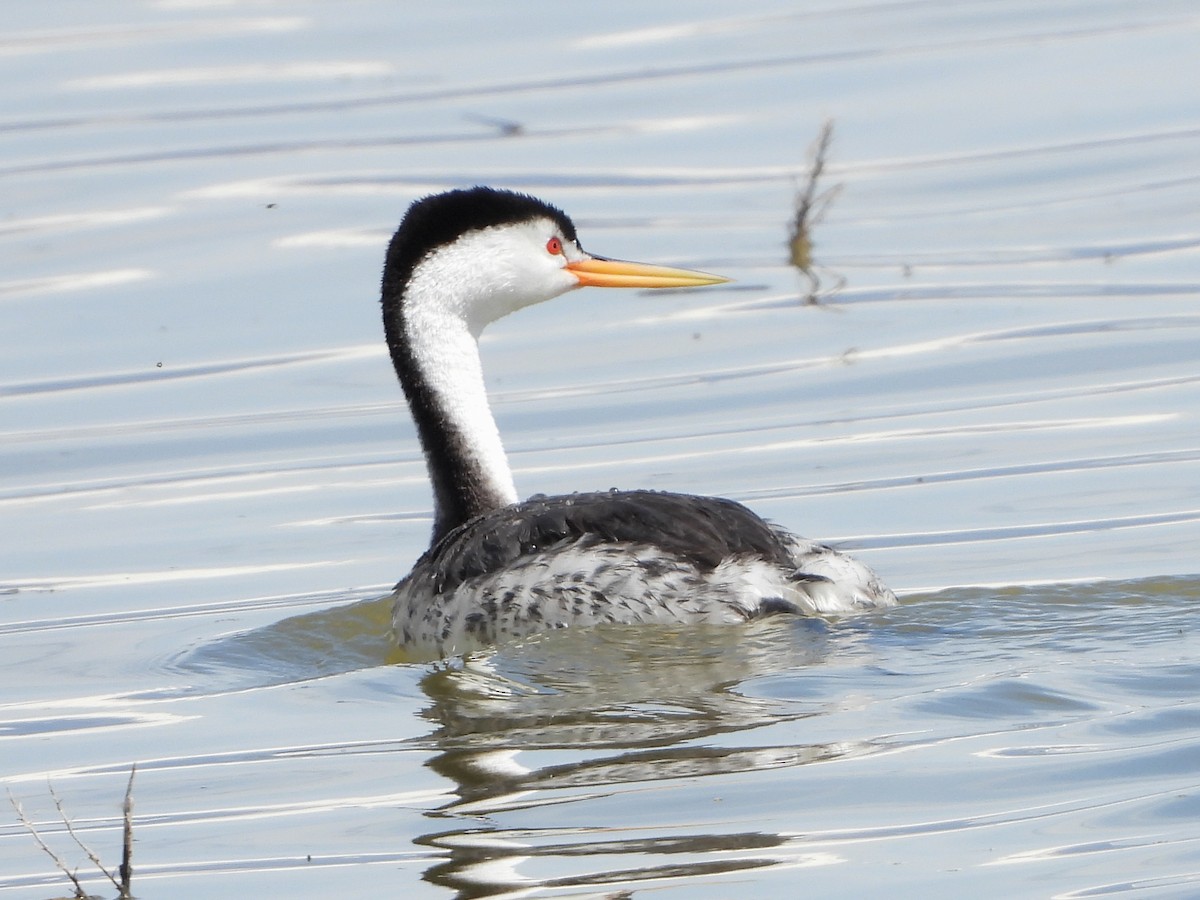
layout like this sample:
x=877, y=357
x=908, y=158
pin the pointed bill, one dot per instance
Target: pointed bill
x=598, y=272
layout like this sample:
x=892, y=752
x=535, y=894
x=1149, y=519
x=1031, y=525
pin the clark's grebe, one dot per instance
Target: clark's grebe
x=498, y=568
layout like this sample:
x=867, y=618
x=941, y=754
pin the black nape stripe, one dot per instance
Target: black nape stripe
x=460, y=490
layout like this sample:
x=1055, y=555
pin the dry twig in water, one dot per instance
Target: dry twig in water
x=810, y=208
x=80, y=893
x=122, y=881
x=126, y=868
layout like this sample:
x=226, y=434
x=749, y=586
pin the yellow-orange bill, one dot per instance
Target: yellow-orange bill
x=596, y=272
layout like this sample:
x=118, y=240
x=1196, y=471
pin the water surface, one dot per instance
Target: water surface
x=210, y=475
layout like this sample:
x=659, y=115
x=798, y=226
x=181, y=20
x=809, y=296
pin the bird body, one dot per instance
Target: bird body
x=498, y=568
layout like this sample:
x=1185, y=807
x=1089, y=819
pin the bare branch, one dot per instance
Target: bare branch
x=80, y=893
x=75, y=837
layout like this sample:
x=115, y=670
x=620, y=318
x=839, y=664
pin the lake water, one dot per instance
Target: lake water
x=209, y=475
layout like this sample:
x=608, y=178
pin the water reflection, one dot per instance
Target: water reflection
x=329, y=641
x=476, y=869
x=588, y=715
x=612, y=759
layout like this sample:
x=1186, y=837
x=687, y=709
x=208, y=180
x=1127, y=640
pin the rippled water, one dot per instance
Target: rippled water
x=209, y=475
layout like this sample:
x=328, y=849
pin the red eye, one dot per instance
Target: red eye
x=554, y=247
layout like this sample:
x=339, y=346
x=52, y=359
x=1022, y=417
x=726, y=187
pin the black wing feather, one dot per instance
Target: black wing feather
x=701, y=530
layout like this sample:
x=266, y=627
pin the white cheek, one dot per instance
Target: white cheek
x=491, y=273
x=529, y=272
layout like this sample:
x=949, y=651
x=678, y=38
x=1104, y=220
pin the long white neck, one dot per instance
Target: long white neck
x=433, y=320
x=447, y=354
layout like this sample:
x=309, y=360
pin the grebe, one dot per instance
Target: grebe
x=497, y=568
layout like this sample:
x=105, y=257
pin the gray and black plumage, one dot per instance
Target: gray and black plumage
x=498, y=568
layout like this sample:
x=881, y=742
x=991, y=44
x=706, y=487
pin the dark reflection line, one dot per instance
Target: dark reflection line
x=601, y=389
x=985, y=156
x=286, y=601
x=979, y=259
x=1021, y=255
x=232, y=150
x=261, y=149
x=689, y=843
x=53, y=491
x=296, y=416
x=1153, y=883
x=154, y=374
x=91, y=36
x=637, y=76
x=544, y=180
x=1065, y=465
x=457, y=874
x=667, y=762
x=1095, y=192
x=1047, y=529
x=240, y=757
x=993, y=290
x=23, y=728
